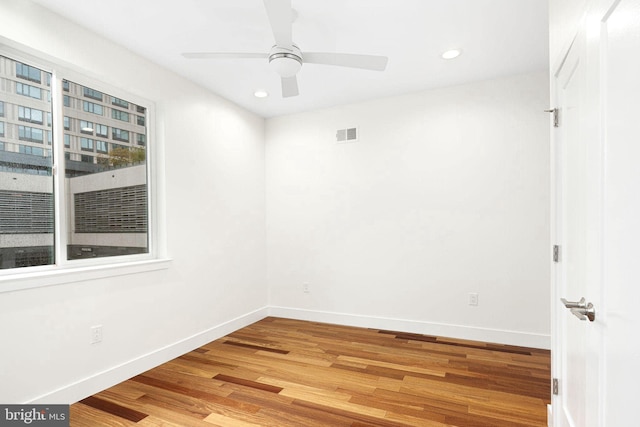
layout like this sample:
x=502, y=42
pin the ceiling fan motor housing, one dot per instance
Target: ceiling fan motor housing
x=286, y=62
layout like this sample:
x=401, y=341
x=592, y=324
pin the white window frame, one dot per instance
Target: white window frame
x=63, y=270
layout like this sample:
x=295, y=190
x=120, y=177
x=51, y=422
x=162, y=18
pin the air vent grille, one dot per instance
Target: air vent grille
x=347, y=135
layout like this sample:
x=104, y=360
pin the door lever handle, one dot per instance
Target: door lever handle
x=574, y=304
x=581, y=309
x=585, y=313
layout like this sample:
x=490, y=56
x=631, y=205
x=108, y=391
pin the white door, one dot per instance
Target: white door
x=576, y=234
x=597, y=220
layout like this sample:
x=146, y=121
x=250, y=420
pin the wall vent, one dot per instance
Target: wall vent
x=347, y=135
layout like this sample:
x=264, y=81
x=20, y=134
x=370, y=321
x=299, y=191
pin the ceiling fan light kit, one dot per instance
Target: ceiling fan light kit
x=285, y=62
x=286, y=59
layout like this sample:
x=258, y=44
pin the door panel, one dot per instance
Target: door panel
x=572, y=233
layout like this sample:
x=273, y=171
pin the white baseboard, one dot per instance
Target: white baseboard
x=102, y=380
x=427, y=328
x=112, y=376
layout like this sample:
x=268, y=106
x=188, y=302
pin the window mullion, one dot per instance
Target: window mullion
x=60, y=202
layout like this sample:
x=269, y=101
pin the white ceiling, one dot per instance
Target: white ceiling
x=498, y=38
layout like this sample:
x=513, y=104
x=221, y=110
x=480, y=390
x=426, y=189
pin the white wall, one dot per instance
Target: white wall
x=215, y=234
x=446, y=193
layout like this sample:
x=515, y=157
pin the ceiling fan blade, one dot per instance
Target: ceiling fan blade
x=224, y=55
x=367, y=62
x=289, y=87
x=280, y=18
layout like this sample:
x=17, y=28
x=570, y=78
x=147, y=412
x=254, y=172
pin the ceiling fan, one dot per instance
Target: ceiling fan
x=286, y=59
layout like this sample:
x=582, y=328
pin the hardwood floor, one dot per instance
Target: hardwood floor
x=289, y=373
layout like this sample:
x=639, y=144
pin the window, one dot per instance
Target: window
x=32, y=115
x=140, y=120
x=120, y=134
x=141, y=139
x=101, y=146
x=27, y=133
x=120, y=115
x=106, y=217
x=91, y=93
x=28, y=90
x=27, y=149
x=91, y=107
x=30, y=73
x=102, y=130
x=86, y=127
x=86, y=144
x=120, y=102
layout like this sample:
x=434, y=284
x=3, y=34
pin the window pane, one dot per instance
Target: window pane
x=27, y=72
x=120, y=115
x=90, y=93
x=32, y=115
x=30, y=91
x=26, y=184
x=102, y=130
x=106, y=182
x=86, y=127
x=119, y=102
x=120, y=135
x=92, y=107
x=86, y=144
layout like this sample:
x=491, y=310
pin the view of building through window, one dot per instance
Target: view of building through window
x=105, y=170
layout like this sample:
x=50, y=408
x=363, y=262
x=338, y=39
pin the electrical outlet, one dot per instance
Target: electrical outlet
x=96, y=334
x=473, y=299
x=305, y=287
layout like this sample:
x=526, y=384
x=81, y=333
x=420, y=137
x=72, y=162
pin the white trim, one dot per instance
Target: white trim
x=41, y=277
x=102, y=380
x=525, y=339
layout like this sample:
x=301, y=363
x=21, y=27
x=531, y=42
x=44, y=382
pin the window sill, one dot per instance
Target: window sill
x=40, y=279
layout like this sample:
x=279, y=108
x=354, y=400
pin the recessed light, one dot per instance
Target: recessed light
x=450, y=54
x=261, y=93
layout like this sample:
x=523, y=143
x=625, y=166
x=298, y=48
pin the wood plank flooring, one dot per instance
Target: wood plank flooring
x=290, y=373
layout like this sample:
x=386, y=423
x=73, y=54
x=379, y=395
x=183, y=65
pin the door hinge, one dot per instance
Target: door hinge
x=555, y=386
x=556, y=253
x=556, y=118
